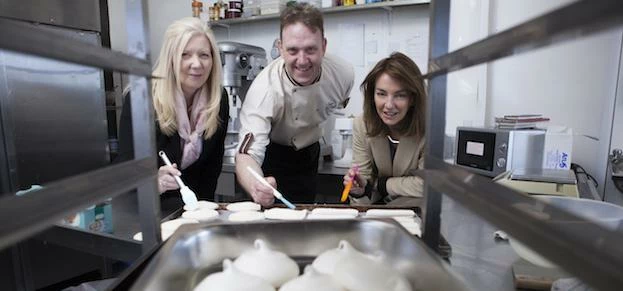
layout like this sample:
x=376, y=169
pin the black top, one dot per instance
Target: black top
x=202, y=175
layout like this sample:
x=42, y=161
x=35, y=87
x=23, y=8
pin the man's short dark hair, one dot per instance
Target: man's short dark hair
x=304, y=13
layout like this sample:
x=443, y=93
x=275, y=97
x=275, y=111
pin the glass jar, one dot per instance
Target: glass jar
x=197, y=8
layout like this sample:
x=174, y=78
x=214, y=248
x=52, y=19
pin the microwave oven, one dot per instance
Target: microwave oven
x=492, y=151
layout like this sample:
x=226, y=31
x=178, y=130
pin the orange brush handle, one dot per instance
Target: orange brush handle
x=346, y=191
x=349, y=184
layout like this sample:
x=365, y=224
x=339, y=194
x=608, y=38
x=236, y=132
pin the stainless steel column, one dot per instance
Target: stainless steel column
x=435, y=118
x=142, y=122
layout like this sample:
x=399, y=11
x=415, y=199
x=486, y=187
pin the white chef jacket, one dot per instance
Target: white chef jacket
x=277, y=110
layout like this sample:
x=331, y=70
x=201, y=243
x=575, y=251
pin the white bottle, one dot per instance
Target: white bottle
x=336, y=144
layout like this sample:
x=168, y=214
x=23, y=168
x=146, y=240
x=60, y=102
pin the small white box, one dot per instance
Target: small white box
x=558, y=148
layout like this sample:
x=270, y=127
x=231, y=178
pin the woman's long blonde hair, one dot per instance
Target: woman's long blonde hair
x=168, y=68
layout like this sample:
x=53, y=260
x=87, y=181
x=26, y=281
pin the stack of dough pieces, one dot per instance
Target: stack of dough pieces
x=245, y=211
x=333, y=213
x=201, y=214
x=285, y=214
x=167, y=228
x=205, y=212
x=389, y=213
x=405, y=217
x=203, y=204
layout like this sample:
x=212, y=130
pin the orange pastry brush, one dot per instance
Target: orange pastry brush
x=349, y=185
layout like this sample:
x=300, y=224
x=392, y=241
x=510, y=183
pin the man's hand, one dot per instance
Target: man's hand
x=263, y=194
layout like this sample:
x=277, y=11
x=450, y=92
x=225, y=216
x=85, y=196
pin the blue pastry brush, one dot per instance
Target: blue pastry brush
x=277, y=194
x=188, y=196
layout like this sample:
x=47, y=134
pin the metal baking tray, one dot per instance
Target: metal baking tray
x=195, y=251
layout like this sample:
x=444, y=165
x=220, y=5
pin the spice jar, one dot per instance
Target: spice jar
x=197, y=8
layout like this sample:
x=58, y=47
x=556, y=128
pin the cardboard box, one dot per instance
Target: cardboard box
x=557, y=153
x=94, y=218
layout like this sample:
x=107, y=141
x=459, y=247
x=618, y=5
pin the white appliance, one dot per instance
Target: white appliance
x=341, y=142
x=492, y=151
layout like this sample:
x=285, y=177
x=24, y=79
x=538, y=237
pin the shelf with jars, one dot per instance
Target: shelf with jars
x=388, y=5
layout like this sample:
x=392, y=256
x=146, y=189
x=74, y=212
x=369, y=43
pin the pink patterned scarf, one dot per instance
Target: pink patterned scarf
x=191, y=128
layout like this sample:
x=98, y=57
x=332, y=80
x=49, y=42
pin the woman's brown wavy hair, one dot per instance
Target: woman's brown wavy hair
x=402, y=69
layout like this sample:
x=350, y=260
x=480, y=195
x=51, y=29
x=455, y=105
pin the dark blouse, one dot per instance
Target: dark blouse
x=202, y=175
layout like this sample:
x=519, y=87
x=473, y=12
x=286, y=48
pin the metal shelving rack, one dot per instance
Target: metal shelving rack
x=387, y=5
x=595, y=255
x=592, y=253
x=27, y=215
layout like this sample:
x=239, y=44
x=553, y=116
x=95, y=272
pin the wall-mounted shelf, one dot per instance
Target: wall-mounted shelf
x=388, y=5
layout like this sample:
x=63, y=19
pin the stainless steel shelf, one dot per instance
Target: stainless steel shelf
x=567, y=23
x=34, y=214
x=100, y=244
x=388, y=5
x=118, y=245
x=37, y=40
x=572, y=242
x=592, y=253
x=28, y=214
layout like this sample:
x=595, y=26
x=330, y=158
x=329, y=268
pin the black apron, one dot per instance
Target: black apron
x=295, y=171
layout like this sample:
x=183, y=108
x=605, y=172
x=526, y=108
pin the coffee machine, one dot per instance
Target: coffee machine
x=241, y=64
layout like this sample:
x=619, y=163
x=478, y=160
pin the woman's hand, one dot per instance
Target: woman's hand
x=166, y=181
x=359, y=183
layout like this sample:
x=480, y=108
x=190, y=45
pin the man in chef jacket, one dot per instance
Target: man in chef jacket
x=285, y=106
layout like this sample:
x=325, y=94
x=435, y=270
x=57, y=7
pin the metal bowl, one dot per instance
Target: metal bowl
x=607, y=215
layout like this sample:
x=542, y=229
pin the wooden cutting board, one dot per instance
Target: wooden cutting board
x=528, y=276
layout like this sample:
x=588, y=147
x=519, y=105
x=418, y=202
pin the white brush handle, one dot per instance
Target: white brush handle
x=168, y=163
x=263, y=181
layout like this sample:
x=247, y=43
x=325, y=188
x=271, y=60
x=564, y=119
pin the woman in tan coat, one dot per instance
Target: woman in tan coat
x=388, y=140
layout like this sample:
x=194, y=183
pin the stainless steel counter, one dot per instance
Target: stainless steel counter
x=484, y=263
x=228, y=165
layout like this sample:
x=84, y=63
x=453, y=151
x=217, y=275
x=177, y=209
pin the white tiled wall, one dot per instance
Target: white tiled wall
x=362, y=37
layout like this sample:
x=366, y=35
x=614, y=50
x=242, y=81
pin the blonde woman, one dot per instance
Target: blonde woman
x=191, y=109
